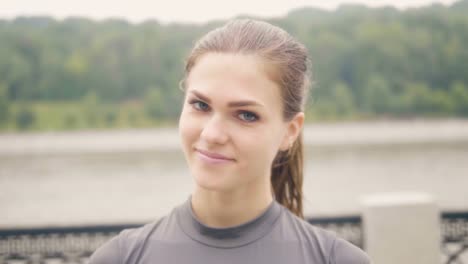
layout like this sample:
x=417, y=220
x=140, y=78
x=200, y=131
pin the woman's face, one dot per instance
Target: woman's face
x=231, y=124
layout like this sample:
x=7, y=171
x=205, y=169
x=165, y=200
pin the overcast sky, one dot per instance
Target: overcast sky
x=179, y=10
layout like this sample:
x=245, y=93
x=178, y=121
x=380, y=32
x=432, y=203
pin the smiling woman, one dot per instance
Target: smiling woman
x=241, y=130
x=233, y=111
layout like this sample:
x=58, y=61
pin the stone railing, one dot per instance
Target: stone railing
x=75, y=244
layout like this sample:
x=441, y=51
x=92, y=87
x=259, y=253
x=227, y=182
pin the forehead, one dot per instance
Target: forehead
x=225, y=76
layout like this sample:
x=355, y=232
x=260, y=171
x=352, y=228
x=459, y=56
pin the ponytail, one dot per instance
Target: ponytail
x=287, y=177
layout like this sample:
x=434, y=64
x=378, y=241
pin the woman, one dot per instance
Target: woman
x=245, y=87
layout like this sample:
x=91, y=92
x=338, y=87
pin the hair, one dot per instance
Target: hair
x=289, y=64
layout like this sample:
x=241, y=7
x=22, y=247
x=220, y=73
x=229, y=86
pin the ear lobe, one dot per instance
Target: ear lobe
x=293, y=130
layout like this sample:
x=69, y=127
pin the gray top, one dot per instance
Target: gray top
x=276, y=236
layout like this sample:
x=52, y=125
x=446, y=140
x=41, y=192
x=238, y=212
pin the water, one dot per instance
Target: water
x=139, y=175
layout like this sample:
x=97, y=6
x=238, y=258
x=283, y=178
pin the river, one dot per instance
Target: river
x=135, y=176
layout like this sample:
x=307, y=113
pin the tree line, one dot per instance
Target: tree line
x=366, y=63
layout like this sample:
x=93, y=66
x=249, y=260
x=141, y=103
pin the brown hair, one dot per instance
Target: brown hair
x=290, y=64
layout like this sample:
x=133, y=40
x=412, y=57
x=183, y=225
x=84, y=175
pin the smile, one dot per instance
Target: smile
x=211, y=158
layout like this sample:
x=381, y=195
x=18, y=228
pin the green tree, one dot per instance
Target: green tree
x=70, y=120
x=343, y=100
x=4, y=106
x=154, y=104
x=25, y=118
x=377, y=96
x=90, y=104
x=390, y=61
x=110, y=117
x=422, y=100
x=459, y=95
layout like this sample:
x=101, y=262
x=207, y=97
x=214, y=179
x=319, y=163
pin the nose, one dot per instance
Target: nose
x=214, y=131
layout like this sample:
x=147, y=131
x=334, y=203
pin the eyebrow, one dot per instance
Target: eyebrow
x=230, y=104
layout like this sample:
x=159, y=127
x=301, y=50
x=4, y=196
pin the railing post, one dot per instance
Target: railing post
x=401, y=228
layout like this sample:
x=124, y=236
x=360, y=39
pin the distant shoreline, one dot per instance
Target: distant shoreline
x=164, y=139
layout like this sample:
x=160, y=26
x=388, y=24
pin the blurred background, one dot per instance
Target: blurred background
x=89, y=104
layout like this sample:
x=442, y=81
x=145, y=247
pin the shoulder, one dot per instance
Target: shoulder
x=334, y=250
x=125, y=247
x=345, y=252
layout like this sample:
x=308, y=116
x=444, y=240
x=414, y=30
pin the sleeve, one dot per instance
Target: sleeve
x=343, y=252
x=108, y=253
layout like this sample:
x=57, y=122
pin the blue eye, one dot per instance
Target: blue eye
x=245, y=116
x=199, y=105
x=248, y=116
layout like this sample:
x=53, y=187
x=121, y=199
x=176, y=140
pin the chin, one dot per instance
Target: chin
x=208, y=181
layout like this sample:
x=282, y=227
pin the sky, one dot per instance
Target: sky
x=193, y=11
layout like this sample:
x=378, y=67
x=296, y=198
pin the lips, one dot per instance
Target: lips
x=213, y=155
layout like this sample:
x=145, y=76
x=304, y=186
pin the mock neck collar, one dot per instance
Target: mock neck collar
x=229, y=237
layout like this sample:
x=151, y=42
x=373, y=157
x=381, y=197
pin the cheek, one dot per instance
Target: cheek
x=188, y=129
x=260, y=147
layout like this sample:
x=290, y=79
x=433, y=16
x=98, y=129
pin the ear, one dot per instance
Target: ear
x=294, y=128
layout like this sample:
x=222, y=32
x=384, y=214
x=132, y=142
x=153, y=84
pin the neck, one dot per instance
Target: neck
x=222, y=209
